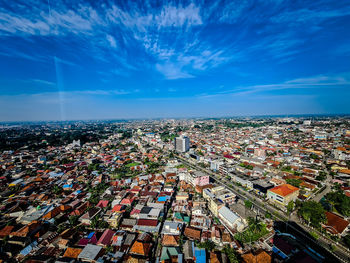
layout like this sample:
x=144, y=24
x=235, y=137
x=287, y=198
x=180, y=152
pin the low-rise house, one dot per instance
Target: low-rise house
x=127, y=224
x=231, y=219
x=188, y=251
x=283, y=194
x=141, y=249
x=171, y=254
x=170, y=240
x=335, y=224
x=149, y=213
x=181, y=217
x=28, y=230
x=102, y=204
x=147, y=225
x=72, y=252
x=192, y=233
x=182, y=196
x=259, y=256
x=172, y=228
x=114, y=220
x=89, y=239
x=106, y=238
x=200, y=255
x=282, y=247
x=90, y=253
x=89, y=215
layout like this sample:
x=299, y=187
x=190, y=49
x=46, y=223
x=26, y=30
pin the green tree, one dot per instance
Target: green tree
x=346, y=240
x=313, y=213
x=290, y=207
x=268, y=215
x=255, y=224
x=248, y=204
x=339, y=202
x=73, y=220
x=208, y=245
x=231, y=254
x=294, y=182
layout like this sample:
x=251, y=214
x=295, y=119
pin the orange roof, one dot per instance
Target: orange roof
x=284, y=189
x=72, y=252
x=6, y=231
x=344, y=171
x=193, y=233
x=54, y=212
x=341, y=149
x=140, y=248
x=170, y=240
x=261, y=257
x=214, y=258
x=24, y=231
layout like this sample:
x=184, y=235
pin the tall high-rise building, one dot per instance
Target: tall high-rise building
x=182, y=144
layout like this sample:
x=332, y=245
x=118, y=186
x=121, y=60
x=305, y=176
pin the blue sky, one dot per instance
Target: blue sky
x=64, y=60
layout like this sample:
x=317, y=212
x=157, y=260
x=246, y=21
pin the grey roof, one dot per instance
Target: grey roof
x=229, y=215
x=90, y=252
x=129, y=239
x=188, y=249
x=129, y=221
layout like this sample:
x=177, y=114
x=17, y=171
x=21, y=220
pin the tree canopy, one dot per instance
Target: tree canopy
x=339, y=202
x=313, y=213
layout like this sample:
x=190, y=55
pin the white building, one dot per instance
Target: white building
x=231, y=219
x=182, y=144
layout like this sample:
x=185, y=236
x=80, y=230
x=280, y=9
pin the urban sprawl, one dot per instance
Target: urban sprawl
x=177, y=190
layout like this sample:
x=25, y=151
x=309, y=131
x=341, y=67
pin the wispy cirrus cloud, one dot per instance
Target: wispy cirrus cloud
x=177, y=39
x=42, y=81
x=314, y=82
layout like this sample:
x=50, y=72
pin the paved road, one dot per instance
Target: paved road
x=319, y=195
x=341, y=253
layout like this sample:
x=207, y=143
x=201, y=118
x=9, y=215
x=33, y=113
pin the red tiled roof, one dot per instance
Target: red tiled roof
x=335, y=224
x=147, y=222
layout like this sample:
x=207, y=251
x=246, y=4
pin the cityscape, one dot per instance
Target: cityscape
x=178, y=131
x=257, y=189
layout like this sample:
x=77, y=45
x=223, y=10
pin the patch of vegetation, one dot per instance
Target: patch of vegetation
x=314, y=235
x=248, y=204
x=256, y=229
x=312, y=212
x=339, y=202
x=132, y=164
x=294, y=182
x=247, y=166
x=208, y=245
x=231, y=254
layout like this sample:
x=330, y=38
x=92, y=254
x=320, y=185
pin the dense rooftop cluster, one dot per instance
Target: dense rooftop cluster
x=119, y=192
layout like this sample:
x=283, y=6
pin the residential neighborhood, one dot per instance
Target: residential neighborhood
x=191, y=190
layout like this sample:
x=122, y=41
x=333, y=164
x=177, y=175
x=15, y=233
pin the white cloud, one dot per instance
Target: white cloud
x=41, y=81
x=172, y=71
x=314, y=82
x=111, y=41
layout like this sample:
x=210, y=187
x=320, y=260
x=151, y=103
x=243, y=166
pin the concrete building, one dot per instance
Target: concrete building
x=283, y=194
x=231, y=219
x=182, y=144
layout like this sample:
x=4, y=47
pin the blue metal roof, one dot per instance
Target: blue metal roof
x=200, y=255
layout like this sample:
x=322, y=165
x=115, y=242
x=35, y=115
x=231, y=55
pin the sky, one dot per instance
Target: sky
x=70, y=60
